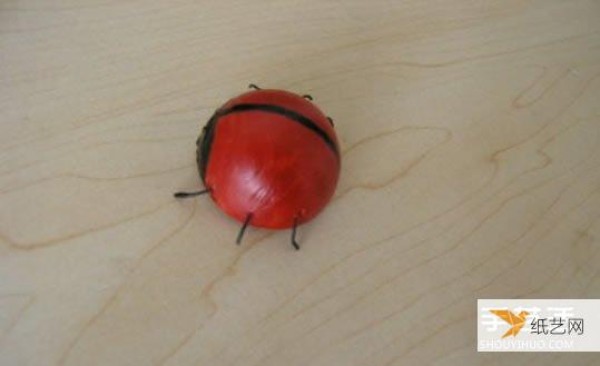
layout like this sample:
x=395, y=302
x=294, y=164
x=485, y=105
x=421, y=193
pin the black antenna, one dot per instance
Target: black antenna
x=294, y=243
x=330, y=121
x=243, y=229
x=307, y=96
x=190, y=194
x=253, y=86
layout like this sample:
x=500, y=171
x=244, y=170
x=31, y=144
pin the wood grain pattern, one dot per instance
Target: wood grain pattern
x=470, y=135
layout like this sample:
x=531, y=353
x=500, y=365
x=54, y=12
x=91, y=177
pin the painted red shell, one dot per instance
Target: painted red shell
x=272, y=154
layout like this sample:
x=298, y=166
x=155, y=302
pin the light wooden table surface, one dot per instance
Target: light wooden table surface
x=470, y=133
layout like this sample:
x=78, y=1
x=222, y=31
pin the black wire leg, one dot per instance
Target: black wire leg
x=294, y=242
x=190, y=194
x=243, y=229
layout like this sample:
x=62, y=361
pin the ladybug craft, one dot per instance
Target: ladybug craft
x=268, y=158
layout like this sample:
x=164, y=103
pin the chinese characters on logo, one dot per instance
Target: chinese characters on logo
x=556, y=326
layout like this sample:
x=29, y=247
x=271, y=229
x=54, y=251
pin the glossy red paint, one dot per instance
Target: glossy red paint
x=267, y=163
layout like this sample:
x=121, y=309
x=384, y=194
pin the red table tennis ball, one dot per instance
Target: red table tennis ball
x=269, y=158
